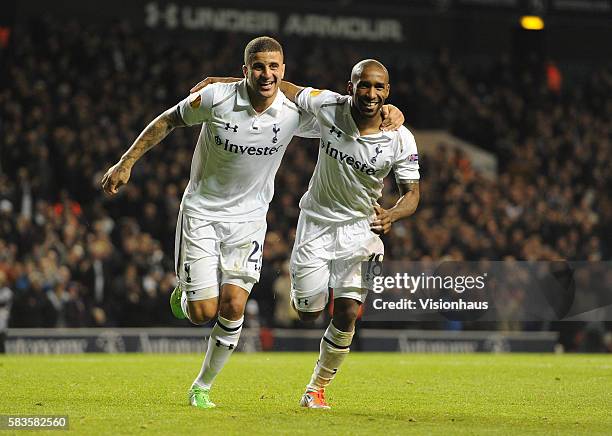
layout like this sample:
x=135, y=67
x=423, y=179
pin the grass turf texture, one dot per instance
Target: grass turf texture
x=373, y=393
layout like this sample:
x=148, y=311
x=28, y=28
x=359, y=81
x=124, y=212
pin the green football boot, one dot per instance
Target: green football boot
x=199, y=397
x=175, y=303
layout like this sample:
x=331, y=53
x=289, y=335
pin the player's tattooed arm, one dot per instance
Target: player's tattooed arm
x=404, y=207
x=119, y=174
x=152, y=135
x=210, y=80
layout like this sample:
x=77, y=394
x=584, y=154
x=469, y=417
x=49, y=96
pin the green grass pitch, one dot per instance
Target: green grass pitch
x=374, y=393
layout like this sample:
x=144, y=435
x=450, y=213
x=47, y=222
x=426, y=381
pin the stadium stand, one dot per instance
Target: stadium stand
x=75, y=96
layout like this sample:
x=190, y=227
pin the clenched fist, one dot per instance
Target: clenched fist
x=116, y=176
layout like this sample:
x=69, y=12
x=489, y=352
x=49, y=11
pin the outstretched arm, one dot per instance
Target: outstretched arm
x=210, y=80
x=119, y=174
x=290, y=90
x=405, y=206
x=393, y=118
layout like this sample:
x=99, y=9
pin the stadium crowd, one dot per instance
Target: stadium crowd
x=74, y=97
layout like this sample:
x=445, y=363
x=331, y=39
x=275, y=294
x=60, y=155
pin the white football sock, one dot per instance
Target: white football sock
x=222, y=342
x=334, y=348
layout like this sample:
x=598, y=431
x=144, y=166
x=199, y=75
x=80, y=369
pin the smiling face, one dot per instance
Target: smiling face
x=264, y=72
x=369, y=88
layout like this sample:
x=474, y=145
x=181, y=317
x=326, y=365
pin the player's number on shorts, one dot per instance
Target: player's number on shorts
x=374, y=265
x=254, y=258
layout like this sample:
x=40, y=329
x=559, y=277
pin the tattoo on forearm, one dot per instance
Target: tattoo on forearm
x=153, y=134
x=174, y=117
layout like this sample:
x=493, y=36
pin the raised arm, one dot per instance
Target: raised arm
x=404, y=207
x=290, y=90
x=210, y=80
x=393, y=118
x=119, y=174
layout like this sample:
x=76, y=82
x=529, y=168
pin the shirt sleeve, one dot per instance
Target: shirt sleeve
x=197, y=107
x=309, y=127
x=311, y=100
x=406, y=166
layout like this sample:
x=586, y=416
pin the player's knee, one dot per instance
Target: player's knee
x=234, y=295
x=309, y=316
x=232, y=309
x=345, y=323
x=345, y=314
x=201, y=312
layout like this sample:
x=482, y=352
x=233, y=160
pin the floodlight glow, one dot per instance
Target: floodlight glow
x=532, y=22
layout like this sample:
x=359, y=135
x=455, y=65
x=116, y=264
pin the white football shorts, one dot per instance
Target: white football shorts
x=210, y=253
x=330, y=256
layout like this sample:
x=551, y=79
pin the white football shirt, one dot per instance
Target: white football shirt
x=238, y=151
x=348, y=178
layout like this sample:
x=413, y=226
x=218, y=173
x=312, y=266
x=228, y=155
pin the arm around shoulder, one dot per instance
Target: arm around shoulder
x=290, y=90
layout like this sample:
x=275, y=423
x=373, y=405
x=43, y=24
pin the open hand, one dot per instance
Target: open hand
x=393, y=118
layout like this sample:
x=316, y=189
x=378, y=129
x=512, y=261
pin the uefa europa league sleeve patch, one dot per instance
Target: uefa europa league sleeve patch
x=196, y=101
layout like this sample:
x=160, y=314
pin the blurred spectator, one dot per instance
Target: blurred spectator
x=284, y=314
x=6, y=299
x=79, y=95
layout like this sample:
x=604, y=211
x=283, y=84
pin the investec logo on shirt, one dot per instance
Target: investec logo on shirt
x=244, y=149
x=347, y=159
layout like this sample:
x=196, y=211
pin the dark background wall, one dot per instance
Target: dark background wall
x=575, y=31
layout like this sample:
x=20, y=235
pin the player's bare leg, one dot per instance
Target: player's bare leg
x=308, y=316
x=222, y=342
x=198, y=311
x=333, y=350
x=201, y=311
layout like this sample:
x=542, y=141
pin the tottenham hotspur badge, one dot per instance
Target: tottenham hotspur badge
x=378, y=151
x=275, y=129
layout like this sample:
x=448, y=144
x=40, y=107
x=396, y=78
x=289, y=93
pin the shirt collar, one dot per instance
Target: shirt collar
x=242, y=99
